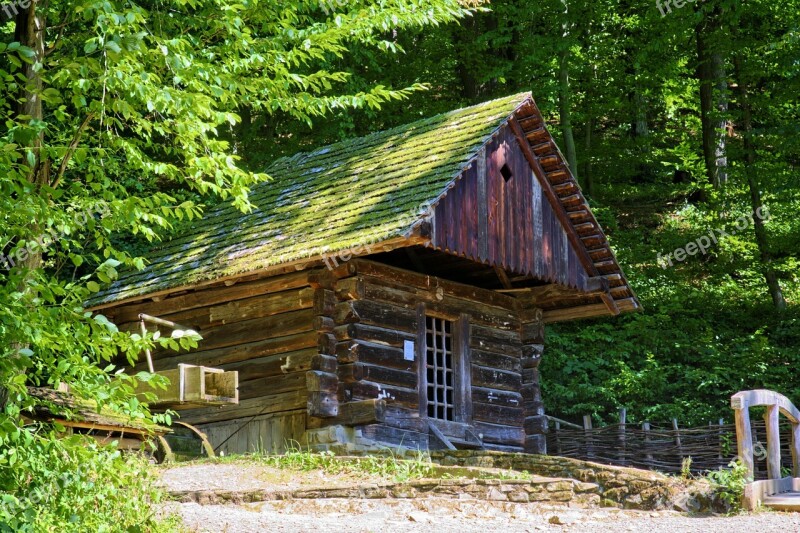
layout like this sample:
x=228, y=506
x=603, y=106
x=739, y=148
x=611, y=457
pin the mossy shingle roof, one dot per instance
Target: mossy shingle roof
x=347, y=194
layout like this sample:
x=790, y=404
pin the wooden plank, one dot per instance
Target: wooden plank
x=483, y=207
x=553, y=198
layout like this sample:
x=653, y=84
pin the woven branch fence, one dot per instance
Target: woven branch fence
x=660, y=447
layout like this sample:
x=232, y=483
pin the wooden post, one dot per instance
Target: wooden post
x=558, y=438
x=771, y=417
x=677, y=437
x=720, y=455
x=587, y=432
x=621, y=436
x=646, y=429
x=744, y=439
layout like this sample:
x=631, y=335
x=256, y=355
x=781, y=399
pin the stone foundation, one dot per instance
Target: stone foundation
x=629, y=488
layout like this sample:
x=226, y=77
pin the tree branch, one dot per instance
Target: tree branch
x=71, y=149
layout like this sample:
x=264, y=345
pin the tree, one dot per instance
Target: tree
x=113, y=114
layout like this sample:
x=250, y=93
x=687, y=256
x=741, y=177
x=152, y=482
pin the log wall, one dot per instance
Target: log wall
x=263, y=329
x=376, y=311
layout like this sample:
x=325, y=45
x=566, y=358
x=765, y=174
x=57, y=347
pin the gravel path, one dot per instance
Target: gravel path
x=439, y=514
x=453, y=516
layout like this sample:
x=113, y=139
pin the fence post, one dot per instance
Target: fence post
x=677, y=437
x=587, y=432
x=646, y=429
x=721, y=455
x=558, y=438
x=621, y=437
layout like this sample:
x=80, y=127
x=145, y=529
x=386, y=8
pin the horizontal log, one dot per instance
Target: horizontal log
x=272, y=385
x=378, y=374
x=261, y=306
x=233, y=354
x=248, y=331
x=261, y=405
x=374, y=354
x=357, y=413
x=493, y=378
x=499, y=434
x=376, y=314
x=496, y=397
x=421, y=281
x=405, y=418
x=207, y=297
x=409, y=297
x=494, y=360
x=202, y=319
x=498, y=414
x=272, y=365
x=495, y=340
x=367, y=390
x=374, y=334
x=396, y=436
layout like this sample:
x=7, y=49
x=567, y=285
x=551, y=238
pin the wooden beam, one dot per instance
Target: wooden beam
x=503, y=277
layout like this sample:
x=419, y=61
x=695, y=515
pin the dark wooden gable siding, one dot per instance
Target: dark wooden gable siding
x=506, y=223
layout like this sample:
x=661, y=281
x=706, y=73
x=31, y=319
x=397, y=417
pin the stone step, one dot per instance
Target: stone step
x=787, y=501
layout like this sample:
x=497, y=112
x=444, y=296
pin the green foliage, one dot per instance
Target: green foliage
x=50, y=484
x=729, y=483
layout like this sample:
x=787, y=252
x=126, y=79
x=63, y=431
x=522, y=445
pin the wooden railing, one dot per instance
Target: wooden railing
x=776, y=404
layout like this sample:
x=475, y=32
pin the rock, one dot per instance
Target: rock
x=419, y=517
x=564, y=519
x=581, y=486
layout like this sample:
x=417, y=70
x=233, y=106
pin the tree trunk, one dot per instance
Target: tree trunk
x=564, y=105
x=30, y=32
x=713, y=100
x=588, y=135
x=756, y=202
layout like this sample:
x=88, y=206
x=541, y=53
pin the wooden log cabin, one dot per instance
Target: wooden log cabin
x=388, y=290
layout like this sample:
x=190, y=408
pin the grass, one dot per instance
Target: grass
x=390, y=466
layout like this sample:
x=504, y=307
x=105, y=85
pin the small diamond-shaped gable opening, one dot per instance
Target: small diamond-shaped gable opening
x=506, y=173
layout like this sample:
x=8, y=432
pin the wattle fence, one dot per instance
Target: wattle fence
x=662, y=447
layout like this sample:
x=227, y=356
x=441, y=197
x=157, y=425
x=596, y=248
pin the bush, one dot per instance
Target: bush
x=73, y=484
x=729, y=484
